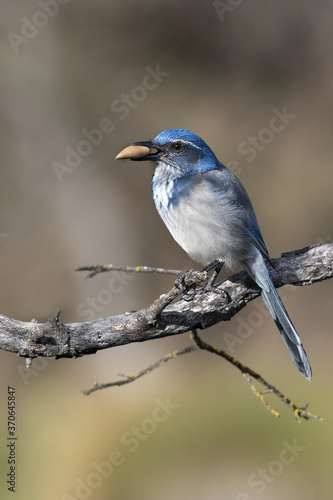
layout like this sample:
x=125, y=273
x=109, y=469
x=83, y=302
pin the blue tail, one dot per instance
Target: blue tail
x=259, y=274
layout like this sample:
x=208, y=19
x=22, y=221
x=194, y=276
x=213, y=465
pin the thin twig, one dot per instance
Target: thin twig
x=103, y=268
x=299, y=411
x=148, y=369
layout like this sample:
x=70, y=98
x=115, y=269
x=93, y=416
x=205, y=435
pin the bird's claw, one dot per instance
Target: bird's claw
x=188, y=281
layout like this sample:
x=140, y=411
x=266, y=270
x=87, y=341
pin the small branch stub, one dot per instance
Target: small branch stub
x=167, y=317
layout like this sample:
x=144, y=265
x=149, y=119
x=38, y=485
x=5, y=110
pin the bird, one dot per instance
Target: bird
x=209, y=213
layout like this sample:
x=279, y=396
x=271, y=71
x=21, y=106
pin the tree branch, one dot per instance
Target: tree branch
x=300, y=412
x=161, y=319
x=148, y=369
x=100, y=268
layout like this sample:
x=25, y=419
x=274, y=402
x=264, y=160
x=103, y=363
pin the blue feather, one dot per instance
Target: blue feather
x=210, y=215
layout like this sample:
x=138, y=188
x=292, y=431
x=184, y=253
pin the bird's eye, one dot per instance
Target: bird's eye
x=177, y=146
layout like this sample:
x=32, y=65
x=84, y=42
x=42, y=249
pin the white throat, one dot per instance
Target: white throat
x=162, y=184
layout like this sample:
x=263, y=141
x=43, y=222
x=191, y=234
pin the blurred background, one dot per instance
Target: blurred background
x=80, y=81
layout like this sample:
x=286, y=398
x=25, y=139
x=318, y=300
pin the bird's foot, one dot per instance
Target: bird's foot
x=187, y=284
x=209, y=288
x=188, y=281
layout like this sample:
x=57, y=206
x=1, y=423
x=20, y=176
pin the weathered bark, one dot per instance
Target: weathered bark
x=161, y=319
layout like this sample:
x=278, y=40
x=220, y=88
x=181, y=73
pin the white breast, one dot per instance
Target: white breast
x=203, y=223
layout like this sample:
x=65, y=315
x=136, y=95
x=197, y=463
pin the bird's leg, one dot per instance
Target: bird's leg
x=217, y=266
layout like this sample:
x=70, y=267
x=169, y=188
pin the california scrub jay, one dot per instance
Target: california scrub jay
x=210, y=215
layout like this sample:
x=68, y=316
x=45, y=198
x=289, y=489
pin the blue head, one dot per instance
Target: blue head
x=179, y=150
